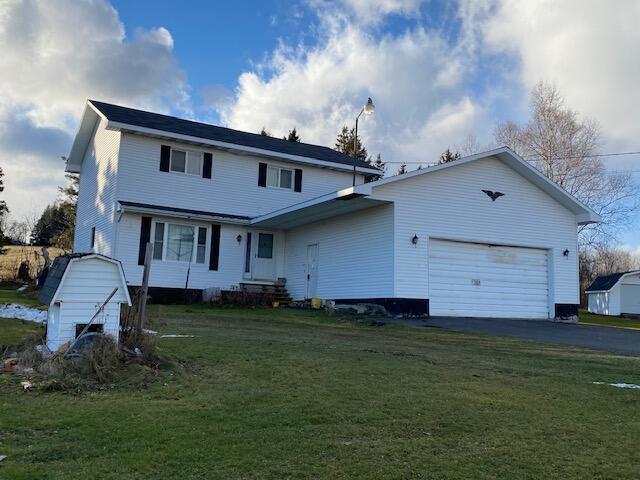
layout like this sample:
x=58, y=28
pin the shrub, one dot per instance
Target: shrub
x=101, y=359
x=24, y=271
x=241, y=298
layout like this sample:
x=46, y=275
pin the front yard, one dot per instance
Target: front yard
x=298, y=394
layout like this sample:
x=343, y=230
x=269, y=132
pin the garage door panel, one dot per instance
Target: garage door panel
x=476, y=280
x=493, y=275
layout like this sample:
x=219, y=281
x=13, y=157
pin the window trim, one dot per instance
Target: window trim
x=186, y=161
x=280, y=169
x=194, y=250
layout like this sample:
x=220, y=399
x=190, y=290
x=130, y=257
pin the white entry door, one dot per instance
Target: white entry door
x=480, y=280
x=264, y=265
x=312, y=270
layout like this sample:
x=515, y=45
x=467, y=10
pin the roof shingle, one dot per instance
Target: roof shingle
x=206, y=131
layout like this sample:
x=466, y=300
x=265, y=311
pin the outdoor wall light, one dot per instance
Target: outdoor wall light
x=566, y=253
x=414, y=240
x=239, y=238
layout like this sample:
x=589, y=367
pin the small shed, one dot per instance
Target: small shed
x=76, y=287
x=616, y=294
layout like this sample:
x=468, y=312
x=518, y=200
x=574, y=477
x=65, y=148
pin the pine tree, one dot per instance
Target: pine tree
x=379, y=164
x=402, y=169
x=293, y=136
x=344, y=144
x=448, y=156
x=265, y=132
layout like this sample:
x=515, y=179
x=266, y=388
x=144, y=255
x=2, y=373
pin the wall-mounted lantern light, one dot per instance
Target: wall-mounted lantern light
x=239, y=238
x=566, y=253
x=414, y=240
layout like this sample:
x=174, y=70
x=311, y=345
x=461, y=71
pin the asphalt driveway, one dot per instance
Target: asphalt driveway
x=616, y=340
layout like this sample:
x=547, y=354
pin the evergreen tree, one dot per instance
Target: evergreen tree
x=344, y=144
x=402, y=169
x=293, y=136
x=265, y=133
x=3, y=212
x=56, y=225
x=448, y=156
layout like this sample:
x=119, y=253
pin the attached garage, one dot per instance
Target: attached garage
x=484, y=236
x=481, y=280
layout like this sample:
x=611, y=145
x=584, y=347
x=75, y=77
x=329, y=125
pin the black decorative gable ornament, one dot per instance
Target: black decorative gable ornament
x=493, y=195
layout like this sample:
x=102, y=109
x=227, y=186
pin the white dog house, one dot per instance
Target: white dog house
x=617, y=294
x=76, y=287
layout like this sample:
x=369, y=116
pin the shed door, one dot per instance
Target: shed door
x=479, y=280
x=630, y=299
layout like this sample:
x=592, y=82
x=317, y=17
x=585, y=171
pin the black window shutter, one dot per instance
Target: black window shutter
x=206, y=167
x=165, y=155
x=297, y=184
x=145, y=236
x=214, y=256
x=262, y=174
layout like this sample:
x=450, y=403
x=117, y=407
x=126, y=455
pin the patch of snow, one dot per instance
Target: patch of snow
x=22, y=288
x=30, y=314
x=620, y=385
x=177, y=336
x=149, y=332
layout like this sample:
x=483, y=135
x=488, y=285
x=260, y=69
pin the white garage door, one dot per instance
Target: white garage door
x=630, y=299
x=478, y=280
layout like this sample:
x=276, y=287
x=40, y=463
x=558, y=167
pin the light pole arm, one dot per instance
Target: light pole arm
x=355, y=147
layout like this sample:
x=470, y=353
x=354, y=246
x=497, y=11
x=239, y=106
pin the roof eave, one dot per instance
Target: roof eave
x=90, y=117
x=123, y=208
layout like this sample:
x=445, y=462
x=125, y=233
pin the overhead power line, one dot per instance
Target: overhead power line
x=530, y=158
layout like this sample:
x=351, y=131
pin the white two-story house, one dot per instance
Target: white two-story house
x=223, y=207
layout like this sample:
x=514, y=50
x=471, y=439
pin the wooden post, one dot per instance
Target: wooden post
x=144, y=288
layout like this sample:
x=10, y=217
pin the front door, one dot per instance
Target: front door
x=312, y=270
x=264, y=265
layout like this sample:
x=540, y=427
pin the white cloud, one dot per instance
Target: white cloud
x=374, y=11
x=55, y=55
x=589, y=49
x=415, y=78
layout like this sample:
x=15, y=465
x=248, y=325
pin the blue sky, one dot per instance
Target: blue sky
x=438, y=72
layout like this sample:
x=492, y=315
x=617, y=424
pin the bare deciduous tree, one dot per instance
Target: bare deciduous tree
x=561, y=146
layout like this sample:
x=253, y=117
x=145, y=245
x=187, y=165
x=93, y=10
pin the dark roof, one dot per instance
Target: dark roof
x=606, y=282
x=181, y=210
x=206, y=131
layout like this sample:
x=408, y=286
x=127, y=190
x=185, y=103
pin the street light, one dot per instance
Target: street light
x=368, y=109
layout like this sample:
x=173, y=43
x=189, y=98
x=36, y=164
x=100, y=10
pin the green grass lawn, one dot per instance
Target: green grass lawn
x=274, y=394
x=586, y=317
x=8, y=294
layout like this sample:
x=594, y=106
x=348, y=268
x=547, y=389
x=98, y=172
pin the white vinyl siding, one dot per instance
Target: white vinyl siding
x=354, y=255
x=174, y=274
x=450, y=204
x=476, y=280
x=97, y=195
x=233, y=189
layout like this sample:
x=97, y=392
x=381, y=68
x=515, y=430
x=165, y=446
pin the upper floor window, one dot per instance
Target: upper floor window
x=279, y=177
x=186, y=161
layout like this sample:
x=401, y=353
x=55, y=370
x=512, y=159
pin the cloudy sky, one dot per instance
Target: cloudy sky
x=437, y=71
